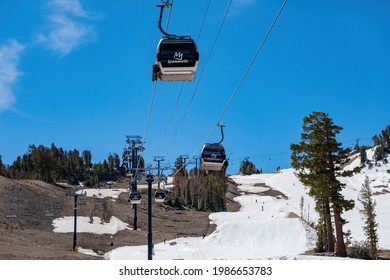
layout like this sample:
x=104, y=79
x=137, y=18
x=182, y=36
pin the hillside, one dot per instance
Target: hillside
x=30, y=211
x=262, y=221
x=267, y=225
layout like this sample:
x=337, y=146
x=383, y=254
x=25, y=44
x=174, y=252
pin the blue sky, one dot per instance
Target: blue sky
x=77, y=73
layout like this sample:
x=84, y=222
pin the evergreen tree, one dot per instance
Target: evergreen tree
x=369, y=215
x=363, y=156
x=44, y=161
x=386, y=138
x=87, y=159
x=216, y=186
x=301, y=205
x=3, y=169
x=117, y=161
x=247, y=167
x=111, y=165
x=356, y=147
x=318, y=159
x=379, y=153
x=376, y=140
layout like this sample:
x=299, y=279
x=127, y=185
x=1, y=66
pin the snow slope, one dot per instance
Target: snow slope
x=268, y=227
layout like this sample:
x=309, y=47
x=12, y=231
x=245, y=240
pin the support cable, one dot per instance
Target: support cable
x=252, y=61
x=201, y=76
x=241, y=81
x=182, y=87
x=146, y=127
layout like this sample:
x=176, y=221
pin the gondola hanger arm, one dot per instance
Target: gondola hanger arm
x=223, y=136
x=162, y=8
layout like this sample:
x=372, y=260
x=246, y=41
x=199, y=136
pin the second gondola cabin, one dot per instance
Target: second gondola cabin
x=135, y=197
x=176, y=59
x=213, y=157
x=159, y=196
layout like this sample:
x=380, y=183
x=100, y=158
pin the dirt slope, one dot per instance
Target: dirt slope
x=27, y=208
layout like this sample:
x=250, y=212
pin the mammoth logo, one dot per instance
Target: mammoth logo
x=178, y=59
x=178, y=56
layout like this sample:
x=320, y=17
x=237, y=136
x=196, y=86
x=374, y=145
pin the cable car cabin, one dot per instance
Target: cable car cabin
x=177, y=59
x=213, y=157
x=135, y=197
x=159, y=196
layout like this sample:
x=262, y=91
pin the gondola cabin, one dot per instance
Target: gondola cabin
x=135, y=197
x=177, y=59
x=159, y=196
x=213, y=157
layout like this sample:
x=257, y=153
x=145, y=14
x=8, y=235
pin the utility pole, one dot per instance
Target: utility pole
x=184, y=159
x=149, y=179
x=197, y=158
x=159, y=159
x=75, y=208
x=134, y=143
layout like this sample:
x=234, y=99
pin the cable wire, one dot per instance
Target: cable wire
x=252, y=61
x=169, y=16
x=201, y=75
x=182, y=87
x=241, y=81
x=203, y=21
x=146, y=127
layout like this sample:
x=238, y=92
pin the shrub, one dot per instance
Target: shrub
x=359, y=250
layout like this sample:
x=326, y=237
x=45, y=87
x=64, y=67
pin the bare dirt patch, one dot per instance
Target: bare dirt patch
x=28, y=207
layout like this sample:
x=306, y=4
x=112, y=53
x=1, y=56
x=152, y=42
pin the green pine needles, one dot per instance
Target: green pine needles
x=318, y=160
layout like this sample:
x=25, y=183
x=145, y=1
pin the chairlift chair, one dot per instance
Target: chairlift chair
x=82, y=200
x=11, y=213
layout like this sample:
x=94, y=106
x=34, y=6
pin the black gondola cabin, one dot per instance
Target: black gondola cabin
x=176, y=59
x=213, y=157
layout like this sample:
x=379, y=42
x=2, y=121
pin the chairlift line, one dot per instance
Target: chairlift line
x=175, y=56
x=245, y=73
x=201, y=73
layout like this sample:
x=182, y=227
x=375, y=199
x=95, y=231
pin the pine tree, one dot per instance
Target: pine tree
x=370, y=225
x=363, y=156
x=87, y=158
x=301, y=205
x=247, y=167
x=386, y=138
x=356, y=147
x=3, y=170
x=318, y=159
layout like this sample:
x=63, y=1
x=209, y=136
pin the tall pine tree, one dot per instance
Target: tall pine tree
x=318, y=160
x=370, y=224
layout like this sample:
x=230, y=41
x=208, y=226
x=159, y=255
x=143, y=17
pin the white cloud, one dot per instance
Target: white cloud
x=67, y=28
x=9, y=73
x=73, y=7
x=65, y=35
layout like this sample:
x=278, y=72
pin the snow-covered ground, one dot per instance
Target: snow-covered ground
x=266, y=227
